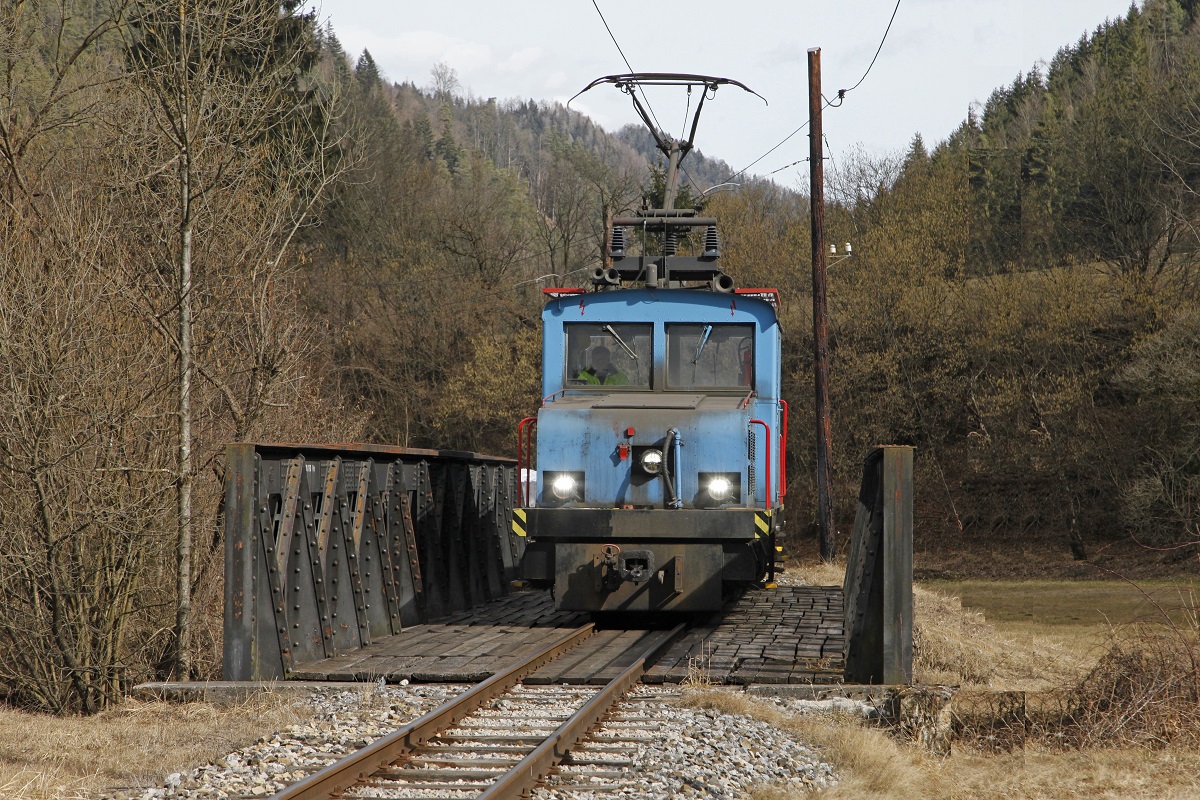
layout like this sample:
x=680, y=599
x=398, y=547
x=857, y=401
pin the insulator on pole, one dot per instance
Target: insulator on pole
x=617, y=246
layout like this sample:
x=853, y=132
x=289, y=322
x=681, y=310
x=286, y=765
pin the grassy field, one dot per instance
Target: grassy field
x=1030, y=635
x=1074, y=604
x=1081, y=618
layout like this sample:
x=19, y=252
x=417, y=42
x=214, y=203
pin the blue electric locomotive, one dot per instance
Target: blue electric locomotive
x=661, y=441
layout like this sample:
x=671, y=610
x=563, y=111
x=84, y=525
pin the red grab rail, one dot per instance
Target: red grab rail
x=783, y=454
x=767, y=427
x=524, y=454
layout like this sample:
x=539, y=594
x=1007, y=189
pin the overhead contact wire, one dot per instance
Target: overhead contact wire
x=626, y=60
x=840, y=96
x=842, y=92
x=782, y=142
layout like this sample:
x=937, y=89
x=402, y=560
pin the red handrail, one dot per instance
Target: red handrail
x=783, y=454
x=524, y=446
x=767, y=493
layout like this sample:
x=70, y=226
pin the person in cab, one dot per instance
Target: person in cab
x=602, y=372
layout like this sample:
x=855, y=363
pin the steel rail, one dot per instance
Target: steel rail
x=526, y=774
x=343, y=774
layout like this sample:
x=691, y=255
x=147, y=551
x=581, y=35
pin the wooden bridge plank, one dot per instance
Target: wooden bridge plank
x=786, y=635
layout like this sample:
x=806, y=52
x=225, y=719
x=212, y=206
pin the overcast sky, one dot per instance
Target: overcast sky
x=940, y=56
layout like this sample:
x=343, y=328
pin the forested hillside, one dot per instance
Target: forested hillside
x=217, y=226
x=1024, y=309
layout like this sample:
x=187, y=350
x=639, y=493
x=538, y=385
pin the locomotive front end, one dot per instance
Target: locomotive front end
x=658, y=486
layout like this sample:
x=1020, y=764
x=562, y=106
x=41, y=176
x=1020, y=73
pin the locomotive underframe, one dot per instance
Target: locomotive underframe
x=603, y=559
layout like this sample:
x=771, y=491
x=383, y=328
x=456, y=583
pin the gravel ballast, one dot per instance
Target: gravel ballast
x=679, y=752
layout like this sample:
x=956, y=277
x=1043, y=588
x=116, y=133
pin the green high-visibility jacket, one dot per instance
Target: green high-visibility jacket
x=611, y=379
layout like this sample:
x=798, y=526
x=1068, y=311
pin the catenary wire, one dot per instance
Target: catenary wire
x=878, y=50
x=505, y=288
x=483, y=295
x=782, y=142
x=764, y=155
x=785, y=166
x=840, y=97
x=626, y=60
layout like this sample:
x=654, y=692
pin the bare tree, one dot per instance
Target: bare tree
x=578, y=195
x=250, y=150
x=82, y=469
x=53, y=59
x=445, y=81
x=81, y=476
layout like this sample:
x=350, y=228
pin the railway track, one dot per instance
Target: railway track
x=498, y=739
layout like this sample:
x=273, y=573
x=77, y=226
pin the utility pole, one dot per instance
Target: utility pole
x=816, y=170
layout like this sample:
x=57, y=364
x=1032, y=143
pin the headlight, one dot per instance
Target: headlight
x=721, y=487
x=718, y=489
x=651, y=461
x=564, y=487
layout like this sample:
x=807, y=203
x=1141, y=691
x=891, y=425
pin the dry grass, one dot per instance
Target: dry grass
x=959, y=646
x=1074, y=605
x=955, y=645
x=874, y=766
x=1095, y=709
x=136, y=743
x=813, y=573
x=1097, y=774
x=1126, y=672
x=698, y=669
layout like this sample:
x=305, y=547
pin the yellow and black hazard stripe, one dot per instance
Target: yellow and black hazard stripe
x=519, y=521
x=762, y=523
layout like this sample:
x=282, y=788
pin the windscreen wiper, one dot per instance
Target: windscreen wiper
x=613, y=333
x=703, y=341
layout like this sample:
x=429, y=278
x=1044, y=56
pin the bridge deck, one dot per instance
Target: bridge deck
x=792, y=634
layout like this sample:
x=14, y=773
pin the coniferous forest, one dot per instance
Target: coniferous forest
x=216, y=225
